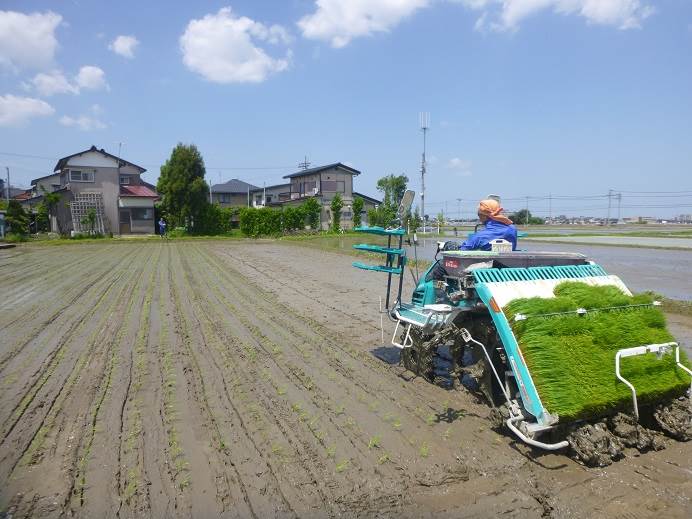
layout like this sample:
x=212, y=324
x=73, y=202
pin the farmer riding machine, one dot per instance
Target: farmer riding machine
x=512, y=324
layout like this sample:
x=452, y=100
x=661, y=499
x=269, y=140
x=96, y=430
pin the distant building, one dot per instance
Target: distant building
x=324, y=182
x=234, y=193
x=270, y=195
x=95, y=179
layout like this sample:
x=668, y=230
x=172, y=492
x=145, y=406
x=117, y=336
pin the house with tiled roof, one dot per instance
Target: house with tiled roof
x=234, y=193
x=324, y=182
x=98, y=180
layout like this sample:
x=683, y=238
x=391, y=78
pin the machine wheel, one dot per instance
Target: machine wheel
x=419, y=357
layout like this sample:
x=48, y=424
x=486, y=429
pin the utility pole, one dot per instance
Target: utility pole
x=8, y=184
x=459, y=209
x=550, y=208
x=610, y=195
x=619, y=197
x=264, y=193
x=305, y=164
x=424, y=125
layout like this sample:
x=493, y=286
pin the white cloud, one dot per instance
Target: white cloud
x=85, y=122
x=460, y=166
x=223, y=48
x=338, y=22
x=54, y=82
x=508, y=14
x=91, y=78
x=124, y=46
x=51, y=83
x=27, y=41
x=15, y=111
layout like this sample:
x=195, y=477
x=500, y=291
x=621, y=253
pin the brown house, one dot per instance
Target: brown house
x=324, y=182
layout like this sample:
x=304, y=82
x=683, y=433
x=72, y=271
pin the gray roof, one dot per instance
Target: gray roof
x=233, y=186
x=63, y=161
x=310, y=171
x=275, y=186
x=367, y=198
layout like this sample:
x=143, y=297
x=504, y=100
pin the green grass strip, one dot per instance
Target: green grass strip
x=572, y=358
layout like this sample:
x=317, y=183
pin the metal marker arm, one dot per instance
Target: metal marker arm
x=659, y=349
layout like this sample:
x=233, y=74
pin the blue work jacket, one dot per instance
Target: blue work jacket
x=493, y=230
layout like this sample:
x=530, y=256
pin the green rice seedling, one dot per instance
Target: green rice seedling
x=424, y=450
x=383, y=459
x=339, y=410
x=430, y=419
x=447, y=433
x=297, y=408
x=396, y=424
x=342, y=465
x=331, y=451
x=374, y=442
x=373, y=405
x=572, y=357
x=281, y=391
x=277, y=449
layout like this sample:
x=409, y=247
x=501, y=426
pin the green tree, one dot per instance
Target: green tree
x=416, y=220
x=393, y=188
x=90, y=220
x=16, y=218
x=357, y=209
x=183, y=189
x=524, y=216
x=51, y=201
x=336, y=206
x=42, y=218
x=312, y=210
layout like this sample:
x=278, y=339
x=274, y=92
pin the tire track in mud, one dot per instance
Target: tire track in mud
x=70, y=298
x=94, y=452
x=270, y=321
x=131, y=474
x=87, y=371
x=418, y=403
x=19, y=286
x=362, y=453
x=243, y=468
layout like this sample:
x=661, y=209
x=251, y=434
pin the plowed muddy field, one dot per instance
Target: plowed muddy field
x=236, y=379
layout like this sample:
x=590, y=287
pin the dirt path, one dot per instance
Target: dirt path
x=245, y=380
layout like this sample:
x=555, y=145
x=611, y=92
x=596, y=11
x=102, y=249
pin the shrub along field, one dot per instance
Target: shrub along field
x=245, y=379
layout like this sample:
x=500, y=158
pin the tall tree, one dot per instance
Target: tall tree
x=182, y=186
x=17, y=218
x=336, y=206
x=393, y=188
x=357, y=210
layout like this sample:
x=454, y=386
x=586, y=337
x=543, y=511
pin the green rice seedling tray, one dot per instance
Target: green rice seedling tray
x=571, y=355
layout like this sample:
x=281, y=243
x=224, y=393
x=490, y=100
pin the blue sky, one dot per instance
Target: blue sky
x=527, y=97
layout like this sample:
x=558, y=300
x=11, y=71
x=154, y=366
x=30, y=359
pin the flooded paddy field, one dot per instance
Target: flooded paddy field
x=244, y=379
x=667, y=272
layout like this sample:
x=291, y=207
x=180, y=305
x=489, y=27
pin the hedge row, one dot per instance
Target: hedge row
x=266, y=221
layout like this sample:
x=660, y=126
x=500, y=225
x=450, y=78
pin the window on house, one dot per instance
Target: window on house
x=124, y=180
x=346, y=214
x=225, y=198
x=269, y=198
x=333, y=186
x=141, y=213
x=77, y=175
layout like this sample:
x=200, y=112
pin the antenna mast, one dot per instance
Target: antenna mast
x=305, y=164
x=424, y=125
